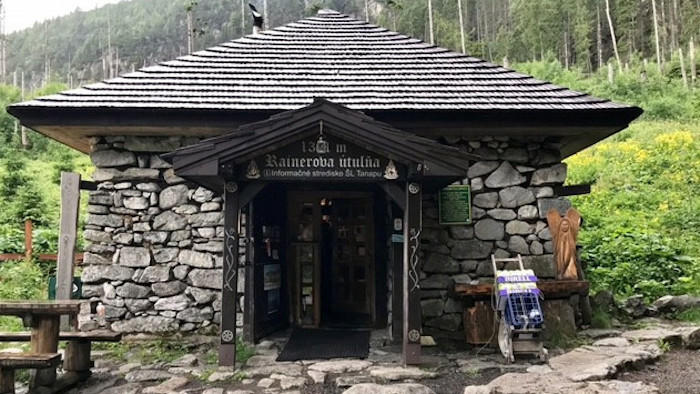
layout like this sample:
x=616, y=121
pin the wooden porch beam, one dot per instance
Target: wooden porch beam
x=572, y=190
x=227, y=350
x=411, y=274
x=395, y=193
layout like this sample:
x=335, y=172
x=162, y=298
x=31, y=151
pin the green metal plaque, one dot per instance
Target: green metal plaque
x=455, y=205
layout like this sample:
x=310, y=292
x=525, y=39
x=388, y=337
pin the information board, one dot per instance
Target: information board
x=455, y=205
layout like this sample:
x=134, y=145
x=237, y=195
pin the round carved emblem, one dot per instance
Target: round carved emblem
x=227, y=336
x=413, y=188
x=414, y=336
x=231, y=187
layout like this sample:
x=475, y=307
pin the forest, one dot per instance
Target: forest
x=641, y=219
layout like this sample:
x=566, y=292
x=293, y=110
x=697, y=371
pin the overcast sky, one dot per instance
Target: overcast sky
x=20, y=14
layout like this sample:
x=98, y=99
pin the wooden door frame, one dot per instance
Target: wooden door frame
x=317, y=193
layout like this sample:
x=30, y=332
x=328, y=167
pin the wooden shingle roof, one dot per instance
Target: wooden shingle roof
x=333, y=56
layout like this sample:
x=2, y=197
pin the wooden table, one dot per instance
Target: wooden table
x=44, y=319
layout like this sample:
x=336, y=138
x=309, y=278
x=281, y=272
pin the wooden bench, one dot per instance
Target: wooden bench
x=11, y=361
x=78, y=350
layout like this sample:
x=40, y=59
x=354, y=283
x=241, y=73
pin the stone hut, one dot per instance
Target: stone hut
x=309, y=243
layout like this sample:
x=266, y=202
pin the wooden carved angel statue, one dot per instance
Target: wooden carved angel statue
x=564, y=232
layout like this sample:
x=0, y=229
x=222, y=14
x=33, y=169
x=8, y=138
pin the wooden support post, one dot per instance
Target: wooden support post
x=70, y=205
x=397, y=296
x=411, y=274
x=28, y=245
x=44, y=340
x=227, y=350
x=77, y=356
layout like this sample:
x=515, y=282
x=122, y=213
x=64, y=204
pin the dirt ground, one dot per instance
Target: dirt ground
x=678, y=371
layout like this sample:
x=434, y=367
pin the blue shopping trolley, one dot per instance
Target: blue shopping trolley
x=518, y=310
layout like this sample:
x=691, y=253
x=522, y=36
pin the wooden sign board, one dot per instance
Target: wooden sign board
x=338, y=160
x=455, y=205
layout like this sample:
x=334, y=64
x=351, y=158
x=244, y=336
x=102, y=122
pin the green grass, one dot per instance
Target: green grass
x=601, y=319
x=691, y=315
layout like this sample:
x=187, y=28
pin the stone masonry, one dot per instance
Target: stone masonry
x=512, y=190
x=154, y=241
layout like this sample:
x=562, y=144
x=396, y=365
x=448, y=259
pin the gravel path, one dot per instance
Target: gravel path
x=676, y=372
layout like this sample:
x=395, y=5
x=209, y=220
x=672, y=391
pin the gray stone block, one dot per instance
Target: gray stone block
x=504, y=176
x=489, y=230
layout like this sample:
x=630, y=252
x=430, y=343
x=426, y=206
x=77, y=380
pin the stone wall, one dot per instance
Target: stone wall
x=512, y=190
x=154, y=242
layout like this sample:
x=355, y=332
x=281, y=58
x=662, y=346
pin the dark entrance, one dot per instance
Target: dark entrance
x=332, y=257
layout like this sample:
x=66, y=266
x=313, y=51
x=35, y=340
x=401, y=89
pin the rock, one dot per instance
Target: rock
x=447, y=322
x=267, y=370
x=196, y=315
x=259, y=361
x=553, y=383
x=478, y=390
x=518, y=227
x=169, y=221
x=136, y=203
x=188, y=360
x=126, y=368
x=217, y=390
x=604, y=300
x=673, y=338
x=517, y=244
x=461, y=232
x=112, y=158
x=401, y=373
x=148, y=187
x=211, y=246
x=471, y=250
x=130, y=256
x=340, y=366
x=155, y=237
x=165, y=255
x=555, y=174
x=130, y=290
x=536, y=248
x=403, y=388
x=515, y=155
x=489, y=230
x=352, y=380
x=635, y=308
x=166, y=289
x=153, y=274
x=481, y=168
x=202, y=195
x=316, y=376
x=596, y=333
x=504, y=176
x=196, y=259
x=173, y=384
x=287, y=382
x=545, y=204
x=486, y=200
x=543, y=265
x=97, y=236
x=146, y=375
x=617, y=342
x=94, y=273
x=136, y=305
x=440, y=263
x=502, y=214
x=205, y=278
x=173, y=196
x=691, y=337
x=527, y=212
x=266, y=383
x=129, y=388
x=432, y=307
x=477, y=184
x=435, y=282
x=515, y=196
x=206, y=219
x=219, y=376
x=671, y=304
x=594, y=363
x=152, y=144
x=175, y=303
x=105, y=220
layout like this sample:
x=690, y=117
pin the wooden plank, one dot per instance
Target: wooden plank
x=479, y=324
x=29, y=360
x=227, y=349
x=550, y=288
x=70, y=205
x=7, y=380
x=411, y=274
x=41, y=307
x=397, y=293
x=94, y=336
x=572, y=190
x=28, y=247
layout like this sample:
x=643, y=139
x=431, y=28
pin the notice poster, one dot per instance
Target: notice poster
x=272, y=276
x=455, y=205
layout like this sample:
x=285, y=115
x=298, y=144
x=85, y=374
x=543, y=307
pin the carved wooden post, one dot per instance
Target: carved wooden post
x=70, y=206
x=412, y=267
x=227, y=350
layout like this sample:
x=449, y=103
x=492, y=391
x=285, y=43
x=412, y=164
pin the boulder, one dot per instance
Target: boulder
x=504, y=176
x=196, y=315
x=202, y=195
x=165, y=255
x=527, y=212
x=130, y=290
x=136, y=203
x=517, y=244
x=471, y=250
x=173, y=196
x=440, y=263
x=461, y=232
x=481, y=168
x=432, y=307
x=166, y=289
x=206, y=219
x=545, y=204
x=153, y=274
x=486, y=200
x=196, y=259
x=559, y=319
x=112, y=158
x=403, y=388
x=555, y=174
x=447, y=322
x=489, y=230
x=206, y=278
x=101, y=273
x=518, y=227
x=149, y=324
x=176, y=303
x=169, y=221
x=671, y=304
x=502, y=214
x=515, y=196
x=130, y=256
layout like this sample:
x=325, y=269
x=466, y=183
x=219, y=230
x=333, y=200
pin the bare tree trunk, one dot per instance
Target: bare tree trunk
x=461, y=26
x=691, y=55
x=656, y=34
x=599, y=36
x=430, y=21
x=367, y=10
x=664, y=31
x=243, y=14
x=25, y=137
x=612, y=34
x=683, y=73
x=611, y=74
x=190, y=32
x=566, y=50
x=266, y=22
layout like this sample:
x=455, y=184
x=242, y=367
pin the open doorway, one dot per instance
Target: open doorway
x=332, y=259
